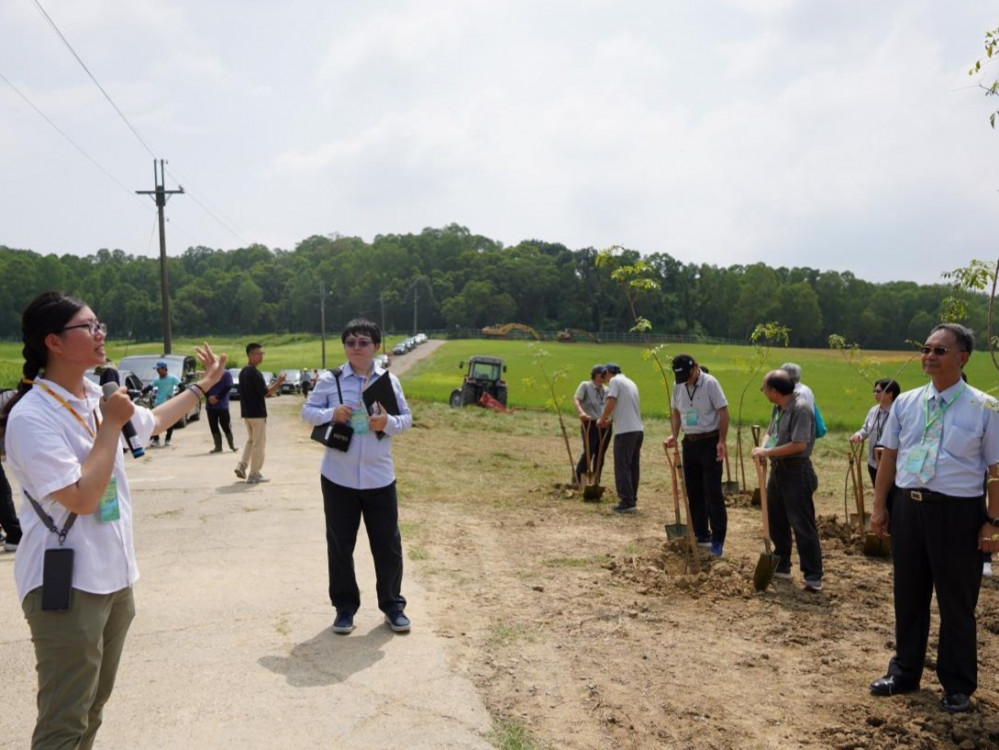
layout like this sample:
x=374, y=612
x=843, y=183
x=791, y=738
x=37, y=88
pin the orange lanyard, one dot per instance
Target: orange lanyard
x=66, y=404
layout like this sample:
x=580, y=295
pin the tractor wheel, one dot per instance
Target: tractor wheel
x=455, y=399
x=501, y=394
x=468, y=395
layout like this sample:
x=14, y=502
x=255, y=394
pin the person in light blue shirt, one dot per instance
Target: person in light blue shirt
x=166, y=386
x=360, y=482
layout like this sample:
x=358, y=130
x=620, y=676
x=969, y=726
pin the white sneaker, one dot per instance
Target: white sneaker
x=987, y=570
x=256, y=479
x=11, y=547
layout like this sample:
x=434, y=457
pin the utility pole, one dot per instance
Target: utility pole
x=416, y=296
x=161, y=196
x=322, y=318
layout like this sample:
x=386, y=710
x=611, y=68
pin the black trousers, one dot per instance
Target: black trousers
x=344, y=508
x=702, y=474
x=591, y=433
x=220, y=418
x=935, y=547
x=8, y=514
x=790, y=507
x=627, y=465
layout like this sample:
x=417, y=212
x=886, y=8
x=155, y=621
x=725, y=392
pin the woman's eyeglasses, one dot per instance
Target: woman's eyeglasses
x=357, y=343
x=877, y=391
x=94, y=327
x=938, y=350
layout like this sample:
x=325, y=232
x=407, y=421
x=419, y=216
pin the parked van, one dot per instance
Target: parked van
x=182, y=367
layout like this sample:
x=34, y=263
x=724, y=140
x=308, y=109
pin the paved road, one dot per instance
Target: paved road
x=231, y=646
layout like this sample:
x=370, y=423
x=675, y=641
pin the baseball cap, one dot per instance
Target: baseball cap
x=683, y=365
x=161, y=365
x=597, y=370
x=613, y=368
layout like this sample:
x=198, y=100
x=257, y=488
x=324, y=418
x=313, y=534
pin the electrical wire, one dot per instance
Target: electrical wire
x=124, y=119
x=73, y=143
x=92, y=78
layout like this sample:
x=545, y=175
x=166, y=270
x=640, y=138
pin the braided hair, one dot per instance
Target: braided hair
x=47, y=313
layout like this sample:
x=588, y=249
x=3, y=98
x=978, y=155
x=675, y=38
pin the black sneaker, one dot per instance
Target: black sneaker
x=622, y=508
x=344, y=622
x=398, y=621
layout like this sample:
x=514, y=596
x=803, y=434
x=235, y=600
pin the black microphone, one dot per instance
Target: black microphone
x=127, y=429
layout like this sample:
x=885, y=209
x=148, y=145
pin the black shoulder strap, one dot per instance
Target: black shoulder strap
x=49, y=523
x=336, y=374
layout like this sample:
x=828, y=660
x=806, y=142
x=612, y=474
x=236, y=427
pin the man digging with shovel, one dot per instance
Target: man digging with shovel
x=589, y=402
x=700, y=409
x=788, y=445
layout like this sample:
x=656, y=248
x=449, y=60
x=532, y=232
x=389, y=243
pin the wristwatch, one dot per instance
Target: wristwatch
x=993, y=521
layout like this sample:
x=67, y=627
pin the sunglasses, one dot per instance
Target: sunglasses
x=94, y=327
x=878, y=390
x=938, y=350
x=357, y=343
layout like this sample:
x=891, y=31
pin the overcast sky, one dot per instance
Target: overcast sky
x=839, y=135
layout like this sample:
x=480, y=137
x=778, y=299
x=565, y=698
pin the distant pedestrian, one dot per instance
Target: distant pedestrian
x=253, y=393
x=166, y=386
x=217, y=407
x=624, y=409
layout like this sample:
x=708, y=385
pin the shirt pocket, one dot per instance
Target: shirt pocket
x=962, y=440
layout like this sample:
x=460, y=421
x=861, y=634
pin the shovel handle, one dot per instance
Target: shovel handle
x=761, y=475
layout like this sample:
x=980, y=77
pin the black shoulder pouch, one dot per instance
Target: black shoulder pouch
x=335, y=435
x=57, y=578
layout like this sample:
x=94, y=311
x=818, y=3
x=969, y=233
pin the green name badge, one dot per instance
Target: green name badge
x=108, y=508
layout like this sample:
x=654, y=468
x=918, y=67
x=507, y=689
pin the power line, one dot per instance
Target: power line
x=121, y=114
x=92, y=78
x=73, y=143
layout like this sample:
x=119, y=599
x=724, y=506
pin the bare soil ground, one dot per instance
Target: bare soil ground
x=589, y=630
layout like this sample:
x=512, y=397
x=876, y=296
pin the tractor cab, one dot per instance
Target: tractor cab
x=484, y=376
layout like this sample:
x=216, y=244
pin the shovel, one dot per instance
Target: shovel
x=729, y=487
x=592, y=491
x=674, y=530
x=766, y=566
x=755, y=500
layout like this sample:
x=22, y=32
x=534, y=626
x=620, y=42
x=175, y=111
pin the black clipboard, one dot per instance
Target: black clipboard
x=381, y=392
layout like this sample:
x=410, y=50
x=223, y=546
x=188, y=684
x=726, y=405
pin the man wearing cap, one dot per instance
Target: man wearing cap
x=589, y=402
x=166, y=385
x=699, y=407
x=623, y=407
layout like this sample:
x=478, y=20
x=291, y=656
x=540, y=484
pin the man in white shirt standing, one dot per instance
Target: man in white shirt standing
x=624, y=408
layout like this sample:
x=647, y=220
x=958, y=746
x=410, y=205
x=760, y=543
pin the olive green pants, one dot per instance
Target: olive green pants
x=77, y=652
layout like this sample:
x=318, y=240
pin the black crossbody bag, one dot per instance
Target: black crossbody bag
x=335, y=435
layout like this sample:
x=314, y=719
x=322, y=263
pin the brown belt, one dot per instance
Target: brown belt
x=697, y=437
x=927, y=496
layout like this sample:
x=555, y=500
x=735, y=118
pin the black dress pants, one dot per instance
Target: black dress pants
x=344, y=508
x=702, y=474
x=935, y=548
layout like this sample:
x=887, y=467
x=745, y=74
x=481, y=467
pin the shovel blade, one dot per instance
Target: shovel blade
x=876, y=546
x=676, y=530
x=592, y=493
x=730, y=488
x=766, y=566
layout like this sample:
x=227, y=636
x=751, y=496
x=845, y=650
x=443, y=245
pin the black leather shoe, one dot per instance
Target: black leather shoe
x=889, y=685
x=955, y=703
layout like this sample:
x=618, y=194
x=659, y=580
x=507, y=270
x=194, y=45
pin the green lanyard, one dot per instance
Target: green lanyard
x=927, y=422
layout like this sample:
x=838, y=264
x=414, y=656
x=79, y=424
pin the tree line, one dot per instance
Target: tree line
x=450, y=279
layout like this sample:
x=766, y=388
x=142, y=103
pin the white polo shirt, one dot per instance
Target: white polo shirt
x=46, y=447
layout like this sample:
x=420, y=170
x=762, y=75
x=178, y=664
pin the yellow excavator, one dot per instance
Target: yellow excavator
x=504, y=331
